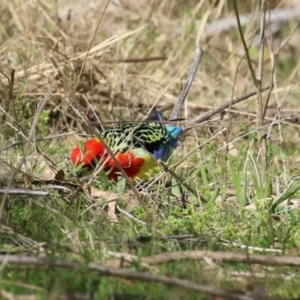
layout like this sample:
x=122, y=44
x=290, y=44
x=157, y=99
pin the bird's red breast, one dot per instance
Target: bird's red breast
x=95, y=152
x=129, y=163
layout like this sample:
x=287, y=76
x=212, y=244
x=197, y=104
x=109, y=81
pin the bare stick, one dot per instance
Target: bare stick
x=193, y=70
x=223, y=106
x=244, y=42
x=259, y=106
x=123, y=273
x=257, y=80
x=223, y=256
x=24, y=192
x=11, y=93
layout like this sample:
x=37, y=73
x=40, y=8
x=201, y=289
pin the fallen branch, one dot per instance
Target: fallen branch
x=124, y=273
x=223, y=256
x=24, y=192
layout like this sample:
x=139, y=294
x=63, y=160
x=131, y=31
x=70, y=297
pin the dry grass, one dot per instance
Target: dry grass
x=32, y=31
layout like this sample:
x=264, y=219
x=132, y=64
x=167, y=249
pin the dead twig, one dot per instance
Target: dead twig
x=259, y=78
x=24, y=192
x=193, y=70
x=222, y=107
x=223, y=256
x=237, y=15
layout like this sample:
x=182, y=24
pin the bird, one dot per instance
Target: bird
x=137, y=146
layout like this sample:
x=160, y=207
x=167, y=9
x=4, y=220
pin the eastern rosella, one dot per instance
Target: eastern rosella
x=136, y=146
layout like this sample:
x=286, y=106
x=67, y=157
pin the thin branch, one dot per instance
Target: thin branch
x=24, y=192
x=223, y=106
x=259, y=79
x=223, y=256
x=11, y=92
x=193, y=70
x=244, y=42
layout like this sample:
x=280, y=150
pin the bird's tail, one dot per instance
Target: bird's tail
x=155, y=116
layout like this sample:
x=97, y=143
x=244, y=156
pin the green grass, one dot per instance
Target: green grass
x=73, y=233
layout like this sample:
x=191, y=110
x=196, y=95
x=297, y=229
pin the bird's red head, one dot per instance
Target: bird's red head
x=92, y=152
